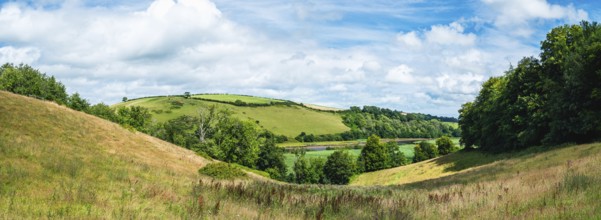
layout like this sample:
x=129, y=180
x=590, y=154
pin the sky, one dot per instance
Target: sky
x=409, y=55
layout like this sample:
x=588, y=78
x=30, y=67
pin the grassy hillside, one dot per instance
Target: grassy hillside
x=58, y=163
x=280, y=119
x=468, y=163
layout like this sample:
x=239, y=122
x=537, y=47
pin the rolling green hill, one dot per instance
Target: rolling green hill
x=289, y=120
x=60, y=163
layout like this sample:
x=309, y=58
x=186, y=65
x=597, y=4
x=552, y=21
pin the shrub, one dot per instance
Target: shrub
x=445, y=145
x=222, y=171
x=339, y=167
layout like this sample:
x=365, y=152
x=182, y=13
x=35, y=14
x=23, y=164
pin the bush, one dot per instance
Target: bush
x=339, y=167
x=445, y=145
x=424, y=151
x=222, y=171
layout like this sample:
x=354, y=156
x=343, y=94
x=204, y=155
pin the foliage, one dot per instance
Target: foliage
x=339, y=167
x=271, y=159
x=553, y=100
x=396, y=157
x=23, y=79
x=222, y=171
x=136, y=116
x=103, y=111
x=309, y=170
x=77, y=103
x=387, y=123
x=424, y=151
x=377, y=156
x=373, y=156
x=237, y=141
x=445, y=145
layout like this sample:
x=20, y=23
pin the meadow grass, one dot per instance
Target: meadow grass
x=280, y=119
x=233, y=98
x=59, y=163
x=560, y=183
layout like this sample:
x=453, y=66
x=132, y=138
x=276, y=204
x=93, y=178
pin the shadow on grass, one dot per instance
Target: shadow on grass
x=467, y=158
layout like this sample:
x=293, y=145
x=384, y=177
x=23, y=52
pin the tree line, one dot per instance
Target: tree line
x=340, y=166
x=549, y=100
x=386, y=123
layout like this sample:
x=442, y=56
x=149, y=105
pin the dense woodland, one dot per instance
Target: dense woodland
x=549, y=100
x=386, y=123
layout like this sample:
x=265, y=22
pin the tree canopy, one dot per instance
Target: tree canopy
x=552, y=100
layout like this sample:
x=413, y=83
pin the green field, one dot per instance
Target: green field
x=290, y=158
x=321, y=143
x=280, y=119
x=233, y=98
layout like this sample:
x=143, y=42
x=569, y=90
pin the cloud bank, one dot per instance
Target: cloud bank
x=327, y=53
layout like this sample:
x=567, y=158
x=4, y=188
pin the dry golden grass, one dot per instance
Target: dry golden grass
x=56, y=162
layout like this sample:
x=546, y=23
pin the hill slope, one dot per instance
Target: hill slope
x=474, y=166
x=57, y=163
x=280, y=119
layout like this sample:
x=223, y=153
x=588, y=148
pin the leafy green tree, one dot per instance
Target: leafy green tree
x=445, y=145
x=25, y=80
x=339, y=167
x=549, y=101
x=373, y=156
x=77, y=103
x=135, y=116
x=317, y=171
x=238, y=141
x=302, y=170
x=272, y=157
x=418, y=154
x=395, y=155
x=124, y=99
x=104, y=111
x=187, y=95
x=181, y=131
x=425, y=151
x=300, y=137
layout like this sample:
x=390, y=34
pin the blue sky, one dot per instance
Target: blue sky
x=409, y=55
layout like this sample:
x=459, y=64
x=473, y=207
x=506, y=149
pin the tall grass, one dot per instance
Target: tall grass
x=58, y=163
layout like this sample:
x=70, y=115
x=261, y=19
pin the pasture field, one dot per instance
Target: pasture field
x=280, y=119
x=233, y=98
x=322, y=143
